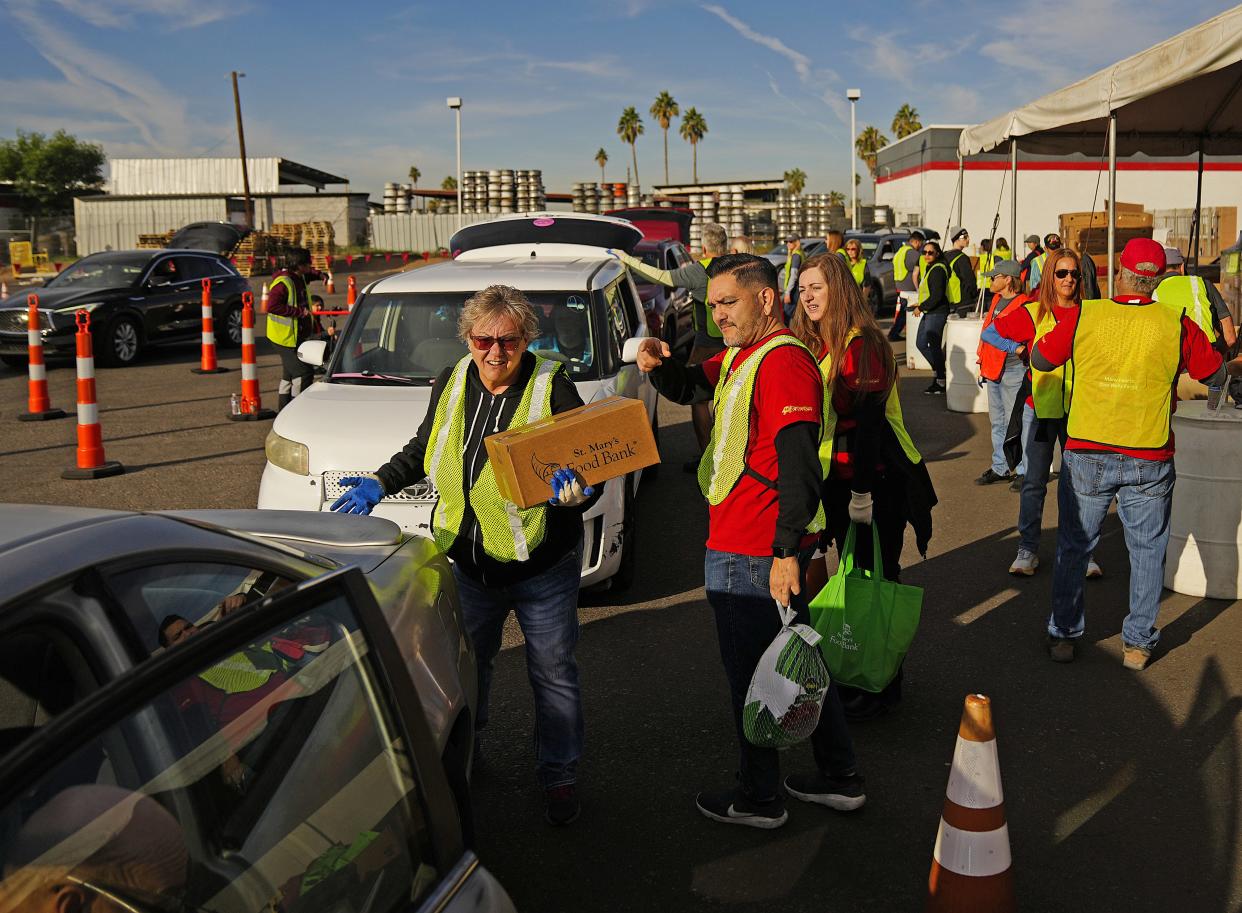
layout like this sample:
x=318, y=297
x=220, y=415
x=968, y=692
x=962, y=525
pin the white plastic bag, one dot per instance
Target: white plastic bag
x=788, y=688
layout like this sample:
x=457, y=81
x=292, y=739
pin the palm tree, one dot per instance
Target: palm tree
x=795, y=180
x=836, y=198
x=601, y=159
x=630, y=128
x=664, y=109
x=693, y=129
x=869, y=144
x=449, y=183
x=415, y=174
x=906, y=121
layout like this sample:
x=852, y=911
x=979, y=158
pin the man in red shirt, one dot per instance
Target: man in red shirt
x=769, y=401
x=1127, y=356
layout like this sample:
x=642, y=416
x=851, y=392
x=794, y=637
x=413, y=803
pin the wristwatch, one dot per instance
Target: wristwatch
x=779, y=551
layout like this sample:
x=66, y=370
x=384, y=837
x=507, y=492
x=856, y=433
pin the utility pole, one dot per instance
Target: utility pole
x=241, y=142
x=853, y=95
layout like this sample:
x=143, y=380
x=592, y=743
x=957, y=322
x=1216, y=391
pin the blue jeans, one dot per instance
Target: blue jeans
x=747, y=621
x=1144, y=491
x=547, y=611
x=931, y=340
x=1037, y=455
x=1001, y=396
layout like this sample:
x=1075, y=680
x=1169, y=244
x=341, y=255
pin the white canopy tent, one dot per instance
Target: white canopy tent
x=1181, y=97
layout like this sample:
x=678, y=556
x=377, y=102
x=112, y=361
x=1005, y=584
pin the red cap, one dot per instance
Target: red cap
x=1143, y=257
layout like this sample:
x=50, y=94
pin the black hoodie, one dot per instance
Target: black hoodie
x=487, y=414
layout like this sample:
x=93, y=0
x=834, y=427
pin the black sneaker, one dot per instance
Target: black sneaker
x=732, y=807
x=844, y=794
x=936, y=389
x=1016, y=484
x=990, y=477
x=561, y=805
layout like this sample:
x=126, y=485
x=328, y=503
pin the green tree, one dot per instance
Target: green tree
x=449, y=183
x=630, y=128
x=693, y=129
x=869, y=144
x=664, y=109
x=906, y=121
x=601, y=159
x=47, y=172
x=415, y=174
x=795, y=180
x=836, y=198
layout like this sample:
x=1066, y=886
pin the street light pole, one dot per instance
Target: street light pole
x=241, y=142
x=853, y=95
x=455, y=103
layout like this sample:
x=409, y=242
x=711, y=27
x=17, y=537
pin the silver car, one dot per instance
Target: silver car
x=220, y=710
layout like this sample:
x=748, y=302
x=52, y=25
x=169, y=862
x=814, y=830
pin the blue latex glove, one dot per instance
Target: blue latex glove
x=612, y=253
x=364, y=493
x=567, y=491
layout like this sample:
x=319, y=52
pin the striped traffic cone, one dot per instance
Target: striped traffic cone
x=263, y=300
x=351, y=293
x=91, y=462
x=208, y=363
x=251, y=399
x=971, y=866
x=38, y=402
x=329, y=285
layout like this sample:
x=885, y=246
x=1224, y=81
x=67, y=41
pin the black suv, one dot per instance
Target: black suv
x=135, y=298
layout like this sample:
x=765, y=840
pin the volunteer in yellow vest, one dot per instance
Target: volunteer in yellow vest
x=505, y=558
x=873, y=472
x=833, y=240
x=1002, y=250
x=1047, y=393
x=855, y=261
x=289, y=321
x=986, y=261
x=707, y=336
x=1198, y=298
x=1001, y=368
x=933, y=305
x=905, y=278
x=1127, y=353
x=963, y=290
x=761, y=535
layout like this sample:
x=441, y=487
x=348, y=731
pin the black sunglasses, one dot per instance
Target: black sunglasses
x=1062, y=273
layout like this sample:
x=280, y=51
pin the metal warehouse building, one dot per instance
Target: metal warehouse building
x=154, y=195
x=918, y=177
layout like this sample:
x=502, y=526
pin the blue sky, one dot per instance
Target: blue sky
x=361, y=92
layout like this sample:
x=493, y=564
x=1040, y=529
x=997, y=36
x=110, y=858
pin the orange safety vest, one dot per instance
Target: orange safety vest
x=992, y=359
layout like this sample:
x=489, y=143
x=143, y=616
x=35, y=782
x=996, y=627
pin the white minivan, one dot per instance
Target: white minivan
x=403, y=333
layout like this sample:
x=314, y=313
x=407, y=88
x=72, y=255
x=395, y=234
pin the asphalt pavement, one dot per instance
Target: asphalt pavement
x=1121, y=789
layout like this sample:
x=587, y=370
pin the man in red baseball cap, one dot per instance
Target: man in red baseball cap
x=1127, y=352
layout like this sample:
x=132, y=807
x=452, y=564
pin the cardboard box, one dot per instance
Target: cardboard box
x=600, y=441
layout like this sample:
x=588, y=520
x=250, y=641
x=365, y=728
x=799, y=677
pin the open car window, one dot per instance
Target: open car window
x=279, y=761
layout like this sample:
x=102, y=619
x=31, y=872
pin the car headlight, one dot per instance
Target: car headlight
x=286, y=454
x=78, y=307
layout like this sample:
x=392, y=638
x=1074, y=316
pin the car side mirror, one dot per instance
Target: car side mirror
x=312, y=352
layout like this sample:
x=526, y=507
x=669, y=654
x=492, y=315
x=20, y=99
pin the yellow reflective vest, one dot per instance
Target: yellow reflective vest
x=1126, y=359
x=924, y=293
x=1050, y=390
x=510, y=533
x=281, y=330
x=899, y=263
x=858, y=269
x=1188, y=295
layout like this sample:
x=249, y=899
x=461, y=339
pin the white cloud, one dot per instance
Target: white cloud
x=177, y=14
x=903, y=60
x=801, y=63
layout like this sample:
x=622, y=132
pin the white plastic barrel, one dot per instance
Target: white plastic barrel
x=1205, y=532
x=963, y=393
x=914, y=358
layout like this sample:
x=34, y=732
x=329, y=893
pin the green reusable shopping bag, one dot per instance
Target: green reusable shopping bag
x=867, y=622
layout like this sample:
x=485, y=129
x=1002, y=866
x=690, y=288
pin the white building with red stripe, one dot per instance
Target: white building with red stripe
x=918, y=177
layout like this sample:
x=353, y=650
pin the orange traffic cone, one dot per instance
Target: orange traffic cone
x=250, y=406
x=38, y=402
x=91, y=462
x=263, y=300
x=330, y=285
x=351, y=293
x=208, y=362
x=971, y=866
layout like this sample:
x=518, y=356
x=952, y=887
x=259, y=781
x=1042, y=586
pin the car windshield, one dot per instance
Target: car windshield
x=413, y=336
x=102, y=272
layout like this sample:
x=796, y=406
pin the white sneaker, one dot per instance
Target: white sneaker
x=1094, y=571
x=1024, y=564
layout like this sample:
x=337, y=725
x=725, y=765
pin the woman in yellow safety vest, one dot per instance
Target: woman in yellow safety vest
x=1043, y=417
x=854, y=260
x=872, y=471
x=505, y=557
x=1002, y=250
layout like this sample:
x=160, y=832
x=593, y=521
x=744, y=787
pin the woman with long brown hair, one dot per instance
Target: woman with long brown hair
x=1043, y=417
x=873, y=472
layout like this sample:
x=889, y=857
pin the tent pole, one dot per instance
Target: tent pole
x=961, y=185
x=1196, y=225
x=1013, y=198
x=1112, y=198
